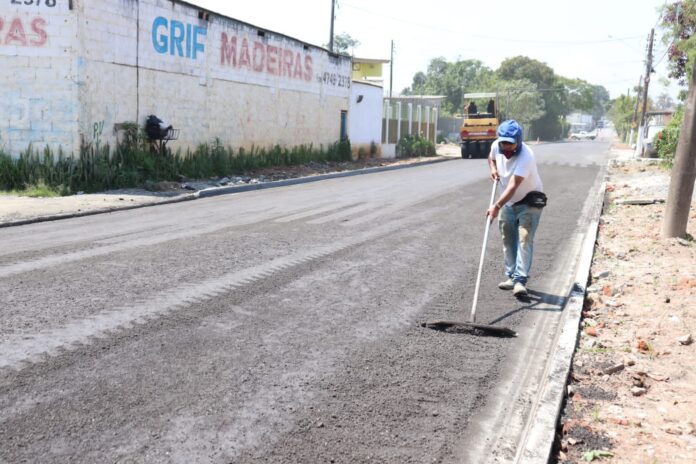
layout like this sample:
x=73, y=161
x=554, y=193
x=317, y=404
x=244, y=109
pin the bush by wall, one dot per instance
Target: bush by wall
x=415, y=145
x=132, y=164
x=666, y=141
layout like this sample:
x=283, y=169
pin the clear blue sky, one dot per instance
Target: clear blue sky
x=601, y=41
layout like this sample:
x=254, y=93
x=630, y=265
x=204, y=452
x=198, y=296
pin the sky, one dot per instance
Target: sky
x=603, y=42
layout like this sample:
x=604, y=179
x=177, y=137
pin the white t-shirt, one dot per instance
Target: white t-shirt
x=523, y=165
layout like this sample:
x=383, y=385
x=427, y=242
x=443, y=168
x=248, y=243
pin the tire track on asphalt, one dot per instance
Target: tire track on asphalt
x=21, y=349
x=113, y=244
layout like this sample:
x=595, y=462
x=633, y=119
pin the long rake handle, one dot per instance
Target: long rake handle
x=483, y=254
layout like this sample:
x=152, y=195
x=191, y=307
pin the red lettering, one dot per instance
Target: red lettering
x=298, y=67
x=37, y=26
x=228, y=50
x=16, y=33
x=307, y=68
x=272, y=59
x=286, y=66
x=259, y=56
x=244, y=59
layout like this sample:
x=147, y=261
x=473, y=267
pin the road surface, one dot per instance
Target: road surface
x=283, y=325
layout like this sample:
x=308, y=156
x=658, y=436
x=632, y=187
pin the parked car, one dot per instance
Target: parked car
x=583, y=135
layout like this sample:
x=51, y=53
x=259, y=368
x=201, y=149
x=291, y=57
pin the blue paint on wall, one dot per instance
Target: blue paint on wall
x=177, y=38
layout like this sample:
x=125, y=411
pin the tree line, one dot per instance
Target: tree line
x=528, y=91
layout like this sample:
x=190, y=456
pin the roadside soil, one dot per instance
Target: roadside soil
x=631, y=396
x=14, y=208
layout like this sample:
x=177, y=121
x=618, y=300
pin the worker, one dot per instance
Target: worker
x=491, y=107
x=471, y=109
x=520, y=204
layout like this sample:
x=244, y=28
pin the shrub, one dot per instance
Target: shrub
x=132, y=164
x=666, y=140
x=414, y=145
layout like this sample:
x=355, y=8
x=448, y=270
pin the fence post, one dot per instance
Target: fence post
x=435, y=119
x=427, y=123
x=398, y=122
x=420, y=117
x=410, y=119
x=387, y=114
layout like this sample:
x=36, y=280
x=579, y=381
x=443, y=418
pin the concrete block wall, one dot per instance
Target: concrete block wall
x=38, y=95
x=84, y=66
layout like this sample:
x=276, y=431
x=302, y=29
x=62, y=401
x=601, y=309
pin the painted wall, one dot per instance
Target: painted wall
x=365, y=118
x=363, y=70
x=209, y=76
x=38, y=95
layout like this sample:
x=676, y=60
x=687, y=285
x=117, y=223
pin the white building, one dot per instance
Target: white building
x=74, y=70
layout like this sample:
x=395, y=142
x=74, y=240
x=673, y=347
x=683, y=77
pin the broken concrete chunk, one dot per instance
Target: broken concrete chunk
x=685, y=340
x=638, y=391
x=614, y=369
x=603, y=275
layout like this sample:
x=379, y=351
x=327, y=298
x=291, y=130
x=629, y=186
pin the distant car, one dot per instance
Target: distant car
x=583, y=135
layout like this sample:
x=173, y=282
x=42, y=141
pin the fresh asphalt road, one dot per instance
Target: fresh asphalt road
x=283, y=325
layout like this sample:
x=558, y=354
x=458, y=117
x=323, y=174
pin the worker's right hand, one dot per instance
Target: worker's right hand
x=494, y=175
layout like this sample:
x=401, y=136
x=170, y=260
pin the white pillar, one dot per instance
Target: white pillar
x=387, y=114
x=427, y=123
x=410, y=118
x=639, y=143
x=398, y=122
x=435, y=122
x=420, y=118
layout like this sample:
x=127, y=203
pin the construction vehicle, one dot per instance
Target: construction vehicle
x=478, y=130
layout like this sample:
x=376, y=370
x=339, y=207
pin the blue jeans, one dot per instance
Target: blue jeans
x=518, y=224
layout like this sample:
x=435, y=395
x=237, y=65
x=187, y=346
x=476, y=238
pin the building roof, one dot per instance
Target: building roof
x=370, y=60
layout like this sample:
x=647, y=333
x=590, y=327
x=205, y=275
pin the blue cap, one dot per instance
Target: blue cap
x=510, y=131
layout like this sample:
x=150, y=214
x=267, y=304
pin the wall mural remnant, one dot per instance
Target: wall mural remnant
x=23, y=32
x=177, y=38
x=264, y=58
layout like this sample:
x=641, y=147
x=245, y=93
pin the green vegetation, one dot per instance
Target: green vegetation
x=414, y=145
x=528, y=91
x=666, y=140
x=132, y=164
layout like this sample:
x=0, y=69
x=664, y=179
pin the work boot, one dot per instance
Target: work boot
x=506, y=285
x=519, y=289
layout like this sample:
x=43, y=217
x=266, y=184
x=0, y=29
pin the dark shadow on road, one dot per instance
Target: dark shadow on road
x=534, y=301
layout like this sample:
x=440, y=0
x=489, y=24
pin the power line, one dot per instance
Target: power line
x=479, y=36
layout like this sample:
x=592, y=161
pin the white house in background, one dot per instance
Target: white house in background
x=365, y=111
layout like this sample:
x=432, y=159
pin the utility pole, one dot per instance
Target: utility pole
x=681, y=185
x=331, y=39
x=391, y=69
x=646, y=83
x=634, y=120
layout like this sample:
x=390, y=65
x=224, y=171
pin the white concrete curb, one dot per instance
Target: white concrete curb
x=540, y=437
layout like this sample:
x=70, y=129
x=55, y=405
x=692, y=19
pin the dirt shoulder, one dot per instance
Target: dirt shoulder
x=15, y=208
x=632, y=391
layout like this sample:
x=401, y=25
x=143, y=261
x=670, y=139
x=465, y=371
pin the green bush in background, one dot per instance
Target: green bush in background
x=666, y=141
x=414, y=145
x=133, y=164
